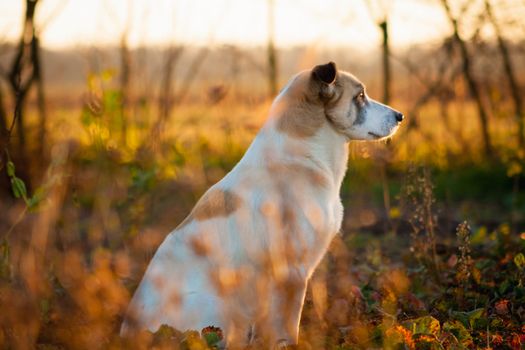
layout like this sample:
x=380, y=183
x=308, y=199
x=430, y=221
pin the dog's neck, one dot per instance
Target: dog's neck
x=325, y=151
x=329, y=149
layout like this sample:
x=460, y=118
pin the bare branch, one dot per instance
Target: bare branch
x=469, y=77
x=510, y=74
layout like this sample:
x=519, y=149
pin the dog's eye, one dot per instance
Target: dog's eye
x=360, y=97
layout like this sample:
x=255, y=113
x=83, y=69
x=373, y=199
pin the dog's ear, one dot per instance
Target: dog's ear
x=325, y=75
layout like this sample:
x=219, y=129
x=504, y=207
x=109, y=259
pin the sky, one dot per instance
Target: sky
x=65, y=23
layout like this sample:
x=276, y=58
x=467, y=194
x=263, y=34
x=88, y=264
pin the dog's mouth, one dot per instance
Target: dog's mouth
x=374, y=135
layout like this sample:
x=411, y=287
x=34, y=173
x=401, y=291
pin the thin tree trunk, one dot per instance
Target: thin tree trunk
x=272, y=57
x=4, y=134
x=3, y=119
x=511, y=76
x=234, y=70
x=21, y=157
x=469, y=77
x=20, y=83
x=166, y=84
x=383, y=162
x=19, y=92
x=125, y=73
x=383, y=25
x=41, y=102
x=166, y=95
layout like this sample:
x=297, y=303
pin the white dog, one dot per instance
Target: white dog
x=242, y=258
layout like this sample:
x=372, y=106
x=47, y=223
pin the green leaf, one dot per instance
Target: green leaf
x=475, y=314
x=519, y=260
x=19, y=187
x=468, y=318
x=423, y=325
x=211, y=338
x=15, y=188
x=503, y=287
x=36, y=199
x=86, y=118
x=459, y=331
x=10, y=169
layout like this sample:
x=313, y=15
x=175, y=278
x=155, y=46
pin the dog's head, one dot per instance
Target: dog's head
x=345, y=103
x=348, y=107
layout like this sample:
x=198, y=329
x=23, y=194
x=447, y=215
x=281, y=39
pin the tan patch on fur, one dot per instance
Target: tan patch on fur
x=314, y=213
x=317, y=178
x=268, y=209
x=226, y=281
x=288, y=217
x=301, y=111
x=159, y=282
x=294, y=171
x=199, y=246
x=175, y=299
x=215, y=203
x=300, y=122
x=295, y=150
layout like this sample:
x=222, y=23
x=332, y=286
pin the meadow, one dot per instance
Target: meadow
x=430, y=255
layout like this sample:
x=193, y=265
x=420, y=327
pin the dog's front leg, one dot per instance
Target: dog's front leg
x=288, y=299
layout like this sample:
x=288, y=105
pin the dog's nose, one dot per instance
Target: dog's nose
x=399, y=116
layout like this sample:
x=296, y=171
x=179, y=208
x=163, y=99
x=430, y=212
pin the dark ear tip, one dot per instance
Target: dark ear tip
x=325, y=72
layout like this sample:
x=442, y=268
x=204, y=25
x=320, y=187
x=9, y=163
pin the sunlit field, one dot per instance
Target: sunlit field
x=105, y=164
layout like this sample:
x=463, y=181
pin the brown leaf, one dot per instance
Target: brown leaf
x=502, y=307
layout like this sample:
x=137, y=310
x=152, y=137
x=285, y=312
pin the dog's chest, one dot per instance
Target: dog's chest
x=303, y=219
x=324, y=234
